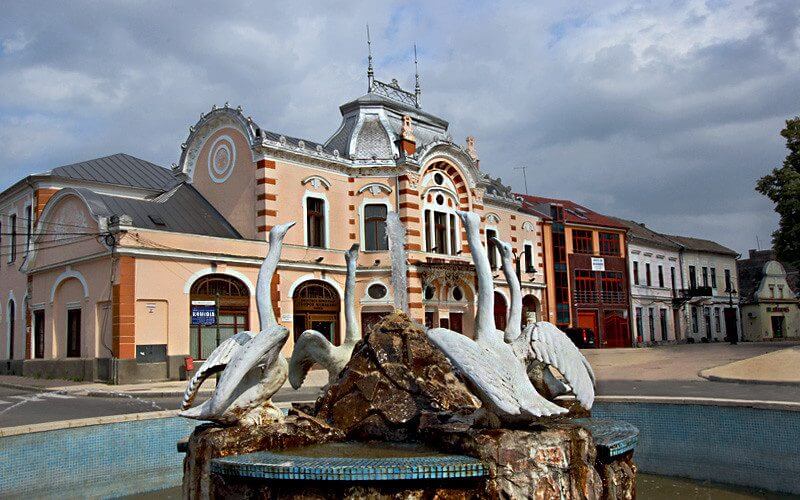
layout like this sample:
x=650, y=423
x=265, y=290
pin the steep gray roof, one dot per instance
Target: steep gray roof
x=119, y=169
x=181, y=210
x=638, y=232
x=701, y=245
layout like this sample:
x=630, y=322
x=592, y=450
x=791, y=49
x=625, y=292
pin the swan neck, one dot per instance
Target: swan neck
x=352, y=328
x=484, y=316
x=513, y=329
x=266, y=314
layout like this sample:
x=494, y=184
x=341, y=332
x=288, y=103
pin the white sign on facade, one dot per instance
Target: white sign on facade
x=598, y=264
x=286, y=317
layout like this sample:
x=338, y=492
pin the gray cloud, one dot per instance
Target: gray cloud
x=661, y=112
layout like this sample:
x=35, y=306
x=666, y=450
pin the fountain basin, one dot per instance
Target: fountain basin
x=351, y=461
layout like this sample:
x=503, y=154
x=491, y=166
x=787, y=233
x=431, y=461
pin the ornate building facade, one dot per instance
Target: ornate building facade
x=130, y=268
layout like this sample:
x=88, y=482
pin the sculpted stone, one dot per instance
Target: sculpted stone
x=394, y=376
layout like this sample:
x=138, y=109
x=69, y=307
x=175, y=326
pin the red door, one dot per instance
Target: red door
x=456, y=322
x=615, y=328
x=588, y=319
x=500, y=310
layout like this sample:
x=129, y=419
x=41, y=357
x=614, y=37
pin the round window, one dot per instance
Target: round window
x=438, y=178
x=376, y=291
x=458, y=294
x=439, y=199
x=429, y=292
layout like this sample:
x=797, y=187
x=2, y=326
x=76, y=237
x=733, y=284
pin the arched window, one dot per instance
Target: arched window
x=219, y=310
x=440, y=203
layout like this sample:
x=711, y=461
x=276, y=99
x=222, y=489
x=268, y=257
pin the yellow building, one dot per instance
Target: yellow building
x=124, y=261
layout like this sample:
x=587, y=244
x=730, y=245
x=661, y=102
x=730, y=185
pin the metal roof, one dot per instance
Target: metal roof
x=119, y=169
x=638, y=232
x=701, y=245
x=181, y=210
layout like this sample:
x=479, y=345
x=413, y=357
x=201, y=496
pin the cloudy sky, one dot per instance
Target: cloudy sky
x=664, y=112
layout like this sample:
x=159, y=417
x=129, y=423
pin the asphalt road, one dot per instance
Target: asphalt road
x=18, y=407
x=22, y=407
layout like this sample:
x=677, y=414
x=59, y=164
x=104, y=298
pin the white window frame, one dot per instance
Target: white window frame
x=28, y=210
x=525, y=244
x=12, y=240
x=362, y=220
x=448, y=211
x=498, y=257
x=326, y=216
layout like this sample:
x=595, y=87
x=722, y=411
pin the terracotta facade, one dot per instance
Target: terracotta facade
x=134, y=276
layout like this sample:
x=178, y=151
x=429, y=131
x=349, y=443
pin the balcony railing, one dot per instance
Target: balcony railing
x=595, y=297
x=698, y=291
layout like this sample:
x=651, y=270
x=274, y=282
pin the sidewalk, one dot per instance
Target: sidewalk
x=779, y=367
x=315, y=378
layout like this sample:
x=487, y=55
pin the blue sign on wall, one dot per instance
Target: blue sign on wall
x=204, y=315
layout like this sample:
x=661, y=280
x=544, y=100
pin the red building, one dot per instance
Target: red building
x=586, y=269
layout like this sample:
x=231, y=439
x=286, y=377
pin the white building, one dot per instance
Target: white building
x=708, y=296
x=653, y=267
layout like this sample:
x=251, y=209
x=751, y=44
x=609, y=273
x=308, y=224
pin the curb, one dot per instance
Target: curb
x=718, y=378
x=152, y=394
x=55, y=388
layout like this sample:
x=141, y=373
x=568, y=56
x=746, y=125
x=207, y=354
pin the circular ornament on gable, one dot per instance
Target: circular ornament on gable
x=221, y=159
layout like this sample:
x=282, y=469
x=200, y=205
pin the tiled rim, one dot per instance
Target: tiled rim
x=704, y=401
x=266, y=465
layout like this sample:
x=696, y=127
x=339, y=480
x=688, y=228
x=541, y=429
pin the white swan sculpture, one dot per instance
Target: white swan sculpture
x=497, y=375
x=313, y=347
x=252, y=366
x=543, y=342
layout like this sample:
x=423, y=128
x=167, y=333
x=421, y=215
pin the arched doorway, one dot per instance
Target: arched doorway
x=530, y=310
x=500, y=311
x=220, y=307
x=316, y=307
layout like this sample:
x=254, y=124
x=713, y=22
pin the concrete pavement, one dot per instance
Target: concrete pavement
x=780, y=367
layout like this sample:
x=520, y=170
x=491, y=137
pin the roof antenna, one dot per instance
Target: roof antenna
x=370, y=72
x=417, y=90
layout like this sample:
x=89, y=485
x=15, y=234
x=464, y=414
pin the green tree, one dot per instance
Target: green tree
x=782, y=186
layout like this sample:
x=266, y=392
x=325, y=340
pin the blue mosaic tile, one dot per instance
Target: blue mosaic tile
x=726, y=444
x=612, y=437
x=351, y=462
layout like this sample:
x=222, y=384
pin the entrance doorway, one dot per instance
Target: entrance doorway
x=616, y=330
x=457, y=322
x=588, y=319
x=777, y=326
x=38, y=333
x=73, y=333
x=500, y=311
x=731, y=324
x=230, y=301
x=316, y=307
x=530, y=310
x=676, y=323
x=707, y=321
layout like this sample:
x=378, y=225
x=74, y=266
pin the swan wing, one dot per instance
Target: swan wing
x=216, y=362
x=552, y=346
x=311, y=347
x=496, y=374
